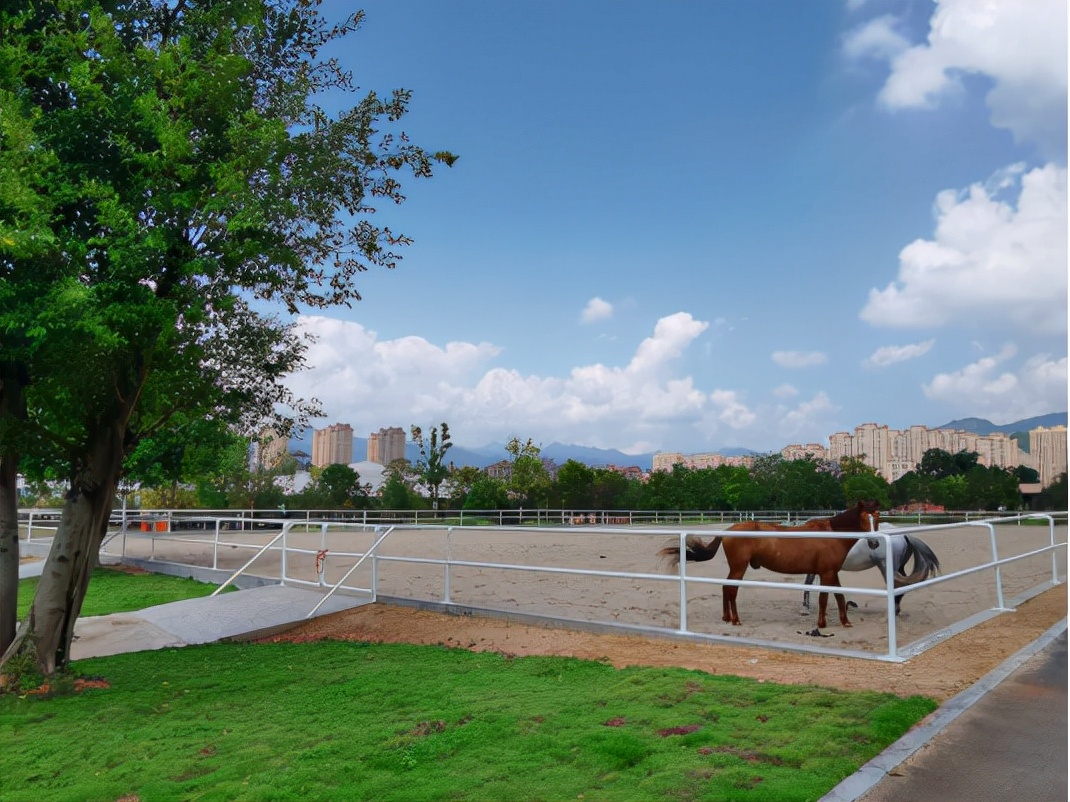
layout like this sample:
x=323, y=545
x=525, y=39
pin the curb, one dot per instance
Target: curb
x=872, y=772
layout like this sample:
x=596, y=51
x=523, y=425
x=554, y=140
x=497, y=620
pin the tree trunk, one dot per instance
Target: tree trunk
x=13, y=378
x=9, y=550
x=49, y=628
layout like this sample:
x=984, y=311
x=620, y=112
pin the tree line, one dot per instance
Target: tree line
x=216, y=474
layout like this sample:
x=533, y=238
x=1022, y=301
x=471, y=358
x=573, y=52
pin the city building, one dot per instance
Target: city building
x=1047, y=447
x=386, y=445
x=268, y=451
x=894, y=452
x=665, y=460
x=333, y=445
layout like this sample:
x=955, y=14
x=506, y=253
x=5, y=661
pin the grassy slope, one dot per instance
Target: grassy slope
x=335, y=720
x=112, y=591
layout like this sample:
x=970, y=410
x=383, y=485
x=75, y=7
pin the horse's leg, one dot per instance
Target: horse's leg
x=841, y=601
x=731, y=613
x=806, y=594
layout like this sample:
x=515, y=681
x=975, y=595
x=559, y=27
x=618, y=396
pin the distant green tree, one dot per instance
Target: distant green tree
x=862, y=482
x=396, y=495
x=938, y=463
x=575, y=486
x=341, y=488
x=1053, y=497
x=1026, y=475
x=461, y=481
x=487, y=493
x=610, y=489
x=432, y=468
x=529, y=481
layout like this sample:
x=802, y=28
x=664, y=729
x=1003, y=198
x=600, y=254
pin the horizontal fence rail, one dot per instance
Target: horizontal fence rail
x=592, y=574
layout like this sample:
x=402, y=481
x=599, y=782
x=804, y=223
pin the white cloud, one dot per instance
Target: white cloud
x=988, y=261
x=799, y=359
x=596, y=309
x=730, y=409
x=993, y=389
x=1020, y=45
x=371, y=383
x=643, y=405
x=806, y=418
x=877, y=38
x=891, y=354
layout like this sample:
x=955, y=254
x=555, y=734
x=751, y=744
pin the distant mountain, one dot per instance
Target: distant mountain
x=982, y=426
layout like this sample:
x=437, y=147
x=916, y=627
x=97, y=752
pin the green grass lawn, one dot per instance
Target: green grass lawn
x=112, y=591
x=340, y=721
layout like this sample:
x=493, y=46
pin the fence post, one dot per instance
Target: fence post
x=215, y=545
x=889, y=587
x=683, y=582
x=1054, y=562
x=446, y=581
x=999, y=571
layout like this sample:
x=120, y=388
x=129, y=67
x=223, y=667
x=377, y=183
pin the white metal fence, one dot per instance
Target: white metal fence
x=609, y=577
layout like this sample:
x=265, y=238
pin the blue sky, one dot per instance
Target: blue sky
x=688, y=226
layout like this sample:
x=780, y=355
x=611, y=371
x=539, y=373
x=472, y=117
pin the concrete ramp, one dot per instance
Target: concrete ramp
x=242, y=614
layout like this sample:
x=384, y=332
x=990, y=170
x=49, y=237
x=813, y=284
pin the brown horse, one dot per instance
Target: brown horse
x=786, y=555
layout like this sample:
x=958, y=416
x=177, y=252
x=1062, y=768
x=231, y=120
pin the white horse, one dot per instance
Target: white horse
x=869, y=552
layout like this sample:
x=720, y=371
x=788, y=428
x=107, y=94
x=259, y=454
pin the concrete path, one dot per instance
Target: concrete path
x=244, y=613
x=1002, y=740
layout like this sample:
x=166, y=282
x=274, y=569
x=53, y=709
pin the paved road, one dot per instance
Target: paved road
x=1004, y=740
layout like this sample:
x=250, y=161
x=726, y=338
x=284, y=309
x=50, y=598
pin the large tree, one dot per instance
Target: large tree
x=432, y=467
x=190, y=182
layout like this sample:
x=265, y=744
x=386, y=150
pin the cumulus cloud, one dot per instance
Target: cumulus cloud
x=371, y=383
x=596, y=309
x=992, y=387
x=989, y=259
x=799, y=359
x=1020, y=46
x=891, y=354
x=785, y=391
x=877, y=38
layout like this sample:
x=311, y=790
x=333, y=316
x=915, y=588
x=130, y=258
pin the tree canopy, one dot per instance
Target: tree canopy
x=169, y=177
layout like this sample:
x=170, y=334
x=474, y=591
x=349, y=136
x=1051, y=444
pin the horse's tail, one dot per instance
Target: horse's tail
x=924, y=557
x=695, y=551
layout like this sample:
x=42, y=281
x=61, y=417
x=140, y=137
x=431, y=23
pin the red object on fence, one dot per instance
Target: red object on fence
x=161, y=526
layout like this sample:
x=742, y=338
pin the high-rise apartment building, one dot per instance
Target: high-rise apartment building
x=386, y=445
x=1047, y=447
x=333, y=445
x=267, y=451
x=665, y=460
x=894, y=452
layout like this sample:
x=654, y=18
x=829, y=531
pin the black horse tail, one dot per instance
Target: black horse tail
x=924, y=557
x=695, y=551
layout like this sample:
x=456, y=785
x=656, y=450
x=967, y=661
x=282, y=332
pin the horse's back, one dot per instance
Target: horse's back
x=790, y=555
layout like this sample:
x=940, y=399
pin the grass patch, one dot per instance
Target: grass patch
x=114, y=591
x=339, y=720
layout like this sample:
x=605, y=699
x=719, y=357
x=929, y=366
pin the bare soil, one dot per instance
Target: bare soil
x=940, y=672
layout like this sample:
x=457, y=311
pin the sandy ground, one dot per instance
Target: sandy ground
x=651, y=598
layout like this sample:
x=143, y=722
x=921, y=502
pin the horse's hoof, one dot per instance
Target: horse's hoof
x=852, y=605
x=848, y=624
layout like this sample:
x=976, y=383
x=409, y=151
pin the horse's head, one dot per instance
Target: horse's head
x=869, y=515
